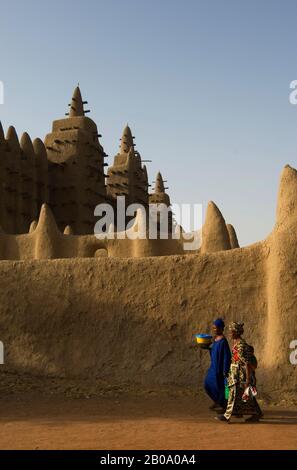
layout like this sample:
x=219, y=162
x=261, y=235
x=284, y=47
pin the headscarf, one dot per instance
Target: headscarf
x=219, y=322
x=237, y=327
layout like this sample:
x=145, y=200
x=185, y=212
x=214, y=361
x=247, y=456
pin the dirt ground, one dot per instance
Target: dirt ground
x=135, y=422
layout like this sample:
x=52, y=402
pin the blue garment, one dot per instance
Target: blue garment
x=214, y=384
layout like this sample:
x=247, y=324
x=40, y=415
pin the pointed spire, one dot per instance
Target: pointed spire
x=40, y=151
x=159, y=185
x=12, y=137
x=232, y=236
x=77, y=104
x=39, y=147
x=47, y=234
x=46, y=220
x=26, y=145
x=126, y=140
x=159, y=196
x=215, y=236
x=33, y=226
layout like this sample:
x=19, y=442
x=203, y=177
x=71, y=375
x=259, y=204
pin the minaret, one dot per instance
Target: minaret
x=76, y=167
x=127, y=176
x=159, y=186
x=77, y=104
x=160, y=197
x=126, y=140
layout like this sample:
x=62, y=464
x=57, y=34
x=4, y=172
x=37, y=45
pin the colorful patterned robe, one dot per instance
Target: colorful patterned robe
x=237, y=377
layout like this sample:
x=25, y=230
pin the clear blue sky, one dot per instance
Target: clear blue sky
x=204, y=86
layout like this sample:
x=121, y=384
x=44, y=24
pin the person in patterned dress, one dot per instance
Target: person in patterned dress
x=239, y=378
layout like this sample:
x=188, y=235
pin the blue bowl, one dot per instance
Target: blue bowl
x=203, y=340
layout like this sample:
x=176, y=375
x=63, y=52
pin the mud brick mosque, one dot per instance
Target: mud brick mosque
x=67, y=173
x=49, y=191
x=124, y=310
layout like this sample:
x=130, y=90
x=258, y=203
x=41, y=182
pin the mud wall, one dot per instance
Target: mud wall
x=131, y=320
x=128, y=320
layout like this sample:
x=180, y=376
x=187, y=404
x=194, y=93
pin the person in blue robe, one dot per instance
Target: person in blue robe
x=220, y=357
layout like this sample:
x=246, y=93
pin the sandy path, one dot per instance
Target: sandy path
x=151, y=422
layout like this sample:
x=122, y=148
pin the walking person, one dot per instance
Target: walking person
x=241, y=376
x=220, y=357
